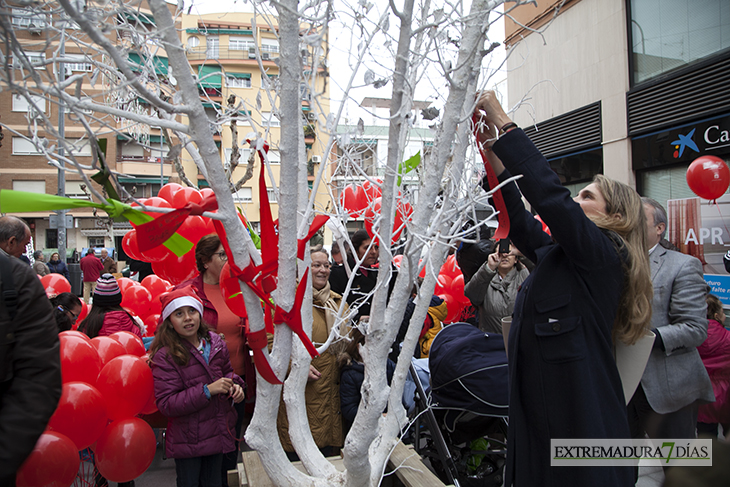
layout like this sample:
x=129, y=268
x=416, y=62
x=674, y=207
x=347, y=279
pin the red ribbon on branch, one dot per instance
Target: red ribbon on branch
x=261, y=280
x=156, y=232
x=502, y=217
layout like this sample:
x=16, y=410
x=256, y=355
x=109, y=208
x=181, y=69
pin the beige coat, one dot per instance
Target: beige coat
x=323, y=395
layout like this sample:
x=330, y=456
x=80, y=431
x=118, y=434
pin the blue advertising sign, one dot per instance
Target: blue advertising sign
x=720, y=287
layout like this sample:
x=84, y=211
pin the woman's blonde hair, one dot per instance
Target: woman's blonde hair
x=633, y=316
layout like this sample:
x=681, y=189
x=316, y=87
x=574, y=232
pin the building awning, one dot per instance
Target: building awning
x=210, y=76
x=147, y=19
x=160, y=64
x=238, y=75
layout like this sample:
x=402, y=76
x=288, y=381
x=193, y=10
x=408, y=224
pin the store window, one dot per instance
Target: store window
x=669, y=34
x=51, y=238
x=96, y=242
x=576, y=170
x=664, y=184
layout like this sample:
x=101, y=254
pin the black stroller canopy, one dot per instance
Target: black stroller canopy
x=469, y=370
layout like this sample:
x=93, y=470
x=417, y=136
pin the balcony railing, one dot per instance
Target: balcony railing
x=202, y=53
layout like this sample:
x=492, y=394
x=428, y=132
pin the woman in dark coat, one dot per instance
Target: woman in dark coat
x=57, y=266
x=590, y=287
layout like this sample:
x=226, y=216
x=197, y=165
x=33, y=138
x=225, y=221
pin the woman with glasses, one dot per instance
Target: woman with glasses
x=66, y=309
x=210, y=258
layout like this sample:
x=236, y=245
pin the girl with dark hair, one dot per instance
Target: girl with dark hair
x=195, y=387
x=66, y=308
x=107, y=315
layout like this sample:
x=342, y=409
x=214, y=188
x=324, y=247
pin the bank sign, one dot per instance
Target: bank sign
x=702, y=229
x=682, y=144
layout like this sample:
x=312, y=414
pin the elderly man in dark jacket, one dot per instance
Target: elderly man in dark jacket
x=30, y=368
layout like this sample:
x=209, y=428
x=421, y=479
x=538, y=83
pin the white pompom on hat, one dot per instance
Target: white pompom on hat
x=177, y=299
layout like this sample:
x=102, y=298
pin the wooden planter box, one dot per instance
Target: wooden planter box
x=413, y=473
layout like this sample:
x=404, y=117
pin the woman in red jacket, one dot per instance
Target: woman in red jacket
x=107, y=315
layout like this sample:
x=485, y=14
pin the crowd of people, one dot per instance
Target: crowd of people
x=601, y=276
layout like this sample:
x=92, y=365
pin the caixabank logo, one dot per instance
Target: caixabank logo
x=656, y=452
x=684, y=142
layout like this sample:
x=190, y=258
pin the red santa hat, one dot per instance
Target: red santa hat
x=177, y=299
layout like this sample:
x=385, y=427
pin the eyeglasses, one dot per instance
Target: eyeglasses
x=320, y=266
x=222, y=254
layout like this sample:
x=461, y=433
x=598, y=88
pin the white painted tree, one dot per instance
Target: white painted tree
x=433, y=42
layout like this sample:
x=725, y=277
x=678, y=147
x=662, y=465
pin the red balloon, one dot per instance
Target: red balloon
x=167, y=192
x=371, y=191
x=75, y=333
x=55, y=284
x=350, y=200
x=131, y=342
x=193, y=228
x=708, y=177
x=79, y=360
x=138, y=299
x=125, y=283
x=160, y=252
x=184, y=196
x=403, y=213
x=150, y=324
x=443, y=284
x=205, y=192
x=151, y=406
x=54, y=462
x=453, y=308
x=177, y=269
x=231, y=292
x=108, y=348
x=80, y=415
x=451, y=267
x=397, y=260
x=457, y=289
x=125, y=449
x=129, y=244
x=125, y=383
x=156, y=285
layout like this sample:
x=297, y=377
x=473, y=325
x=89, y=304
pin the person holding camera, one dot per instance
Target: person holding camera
x=493, y=288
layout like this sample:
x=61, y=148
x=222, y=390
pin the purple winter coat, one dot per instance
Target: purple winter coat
x=197, y=426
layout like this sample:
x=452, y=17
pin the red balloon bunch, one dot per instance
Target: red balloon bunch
x=355, y=199
x=164, y=263
x=103, y=379
x=708, y=177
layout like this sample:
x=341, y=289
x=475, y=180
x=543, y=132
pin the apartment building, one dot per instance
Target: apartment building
x=226, y=53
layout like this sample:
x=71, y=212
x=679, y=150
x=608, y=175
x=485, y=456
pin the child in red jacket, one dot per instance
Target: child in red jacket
x=107, y=315
x=195, y=387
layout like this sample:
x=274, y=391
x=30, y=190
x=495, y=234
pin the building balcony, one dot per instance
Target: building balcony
x=143, y=166
x=244, y=56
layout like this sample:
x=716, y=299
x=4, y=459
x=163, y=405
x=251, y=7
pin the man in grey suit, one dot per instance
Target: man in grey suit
x=665, y=403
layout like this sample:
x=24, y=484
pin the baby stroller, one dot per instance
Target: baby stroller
x=461, y=424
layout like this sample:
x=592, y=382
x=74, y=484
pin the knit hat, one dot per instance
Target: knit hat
x=178, y=298
x=107, y=292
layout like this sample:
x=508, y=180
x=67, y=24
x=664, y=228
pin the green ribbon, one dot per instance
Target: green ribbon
x=409, y=165
x=22, y=202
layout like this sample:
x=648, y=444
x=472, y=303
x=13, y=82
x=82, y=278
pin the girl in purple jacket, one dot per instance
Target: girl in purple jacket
x=195, y=387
